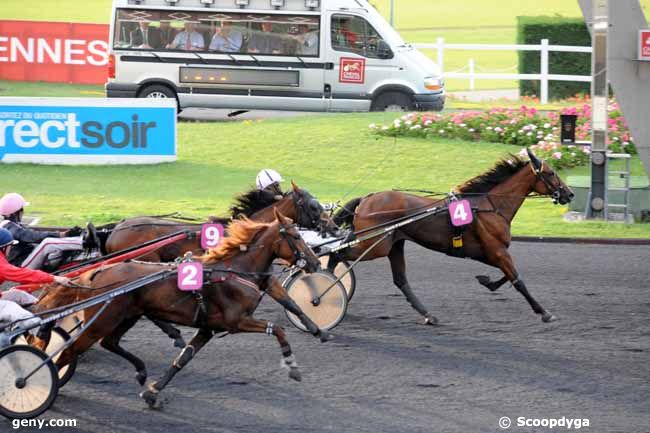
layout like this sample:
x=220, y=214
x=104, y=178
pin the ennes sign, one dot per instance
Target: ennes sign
x=87, y=130
x=644, y=45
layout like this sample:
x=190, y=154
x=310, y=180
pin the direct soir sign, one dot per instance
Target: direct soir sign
x=87, y=130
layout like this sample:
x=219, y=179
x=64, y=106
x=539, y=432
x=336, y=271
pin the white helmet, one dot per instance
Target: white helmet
x=267, y=177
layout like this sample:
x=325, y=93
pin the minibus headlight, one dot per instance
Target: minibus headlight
x=433, y=83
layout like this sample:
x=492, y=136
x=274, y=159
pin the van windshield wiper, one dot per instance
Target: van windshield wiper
x=203, y=60
x=303, y=62
x=233, y=58
x=160, y=59
x=255, y=60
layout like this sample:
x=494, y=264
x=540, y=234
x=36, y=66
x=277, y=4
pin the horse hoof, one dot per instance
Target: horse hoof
x=141, y=377
x=325, y=336
x=180, y=343
x=430, y=320
x=150, y=398
x=548, y=317
x=483, y=280
x=294, y=374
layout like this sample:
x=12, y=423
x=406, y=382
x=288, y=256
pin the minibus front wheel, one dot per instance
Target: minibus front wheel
x=159, y=91
x=392, y=101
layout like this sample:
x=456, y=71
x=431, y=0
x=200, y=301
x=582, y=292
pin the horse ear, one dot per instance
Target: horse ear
x=294, y=186
x=534, y=159
x=279, y=216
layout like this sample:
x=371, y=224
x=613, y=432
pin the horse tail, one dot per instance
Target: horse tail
x=345, y=215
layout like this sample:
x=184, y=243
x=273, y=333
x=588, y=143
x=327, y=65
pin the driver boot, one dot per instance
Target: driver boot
x=91, y=240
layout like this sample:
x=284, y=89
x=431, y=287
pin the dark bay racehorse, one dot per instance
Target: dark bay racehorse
x=495, y=197
x=298, y=204
x=258, y=205
x=229, y=298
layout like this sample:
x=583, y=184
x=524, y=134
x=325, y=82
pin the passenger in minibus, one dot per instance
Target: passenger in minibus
x=343, y=35
x=189, y=39
x=226, y=39
x=167, y=33
x=307, y=41
x=145, y=36
x=265, y=41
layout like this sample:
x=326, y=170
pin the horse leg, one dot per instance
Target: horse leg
x=280, y=295
x=398, y=267
x=112, y=344
x=484, y=280
x=202, y=336
x=249, y=324
x=503, y=260
x=171, y=332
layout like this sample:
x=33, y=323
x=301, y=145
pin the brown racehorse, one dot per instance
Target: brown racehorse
x=239, y=274
x=495, y=197
x=299, y=205
x=258, y=205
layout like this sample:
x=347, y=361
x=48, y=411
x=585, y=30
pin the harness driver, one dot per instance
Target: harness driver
x=35, y=247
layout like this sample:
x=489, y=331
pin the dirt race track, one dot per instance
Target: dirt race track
x=491, y=357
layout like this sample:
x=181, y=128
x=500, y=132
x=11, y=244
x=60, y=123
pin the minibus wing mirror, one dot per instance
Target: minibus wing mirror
x=383, y=50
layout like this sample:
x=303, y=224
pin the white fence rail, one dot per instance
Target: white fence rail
x=544, y=76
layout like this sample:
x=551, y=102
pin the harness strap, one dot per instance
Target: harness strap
x=233, y=277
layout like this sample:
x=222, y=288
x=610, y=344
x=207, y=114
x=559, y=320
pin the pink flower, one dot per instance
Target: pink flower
x=556, y=155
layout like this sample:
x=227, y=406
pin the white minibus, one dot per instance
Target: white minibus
x=308, y=55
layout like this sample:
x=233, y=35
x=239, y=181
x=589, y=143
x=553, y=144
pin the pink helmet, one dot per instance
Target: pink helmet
x=11, y=203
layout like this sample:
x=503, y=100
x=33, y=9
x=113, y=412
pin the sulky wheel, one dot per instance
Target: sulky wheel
x=349, y=281
x=323, y=305
x=22, y=398
x=58, y=338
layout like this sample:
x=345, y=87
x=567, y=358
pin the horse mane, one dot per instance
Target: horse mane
x=240, y=232
x=503, y=170
x=250, y=202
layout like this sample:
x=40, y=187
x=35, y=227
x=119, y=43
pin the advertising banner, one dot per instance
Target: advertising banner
x=53, y=52
x=644, y=45
x=87, y=130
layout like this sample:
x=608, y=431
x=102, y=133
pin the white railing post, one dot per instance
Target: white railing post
x=440, y=42
x=544, y=71
x=472, y=78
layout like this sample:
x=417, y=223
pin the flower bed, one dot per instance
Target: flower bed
x=525, y=126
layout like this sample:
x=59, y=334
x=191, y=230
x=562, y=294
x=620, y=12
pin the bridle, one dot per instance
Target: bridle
x=290, y=238
x=540, y=176
x=303, y=214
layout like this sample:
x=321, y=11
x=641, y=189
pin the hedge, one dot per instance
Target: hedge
x=559, y=31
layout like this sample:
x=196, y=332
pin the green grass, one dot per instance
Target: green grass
x=20, y=88
x=333, y=156
x=467, y=21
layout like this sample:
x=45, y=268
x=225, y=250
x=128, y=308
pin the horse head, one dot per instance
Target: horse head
x=310, y=213
x=291, y=247
x=547, y=182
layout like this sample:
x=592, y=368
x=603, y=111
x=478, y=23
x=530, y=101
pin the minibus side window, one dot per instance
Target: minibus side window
x=177, y=30
x=354, y=34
